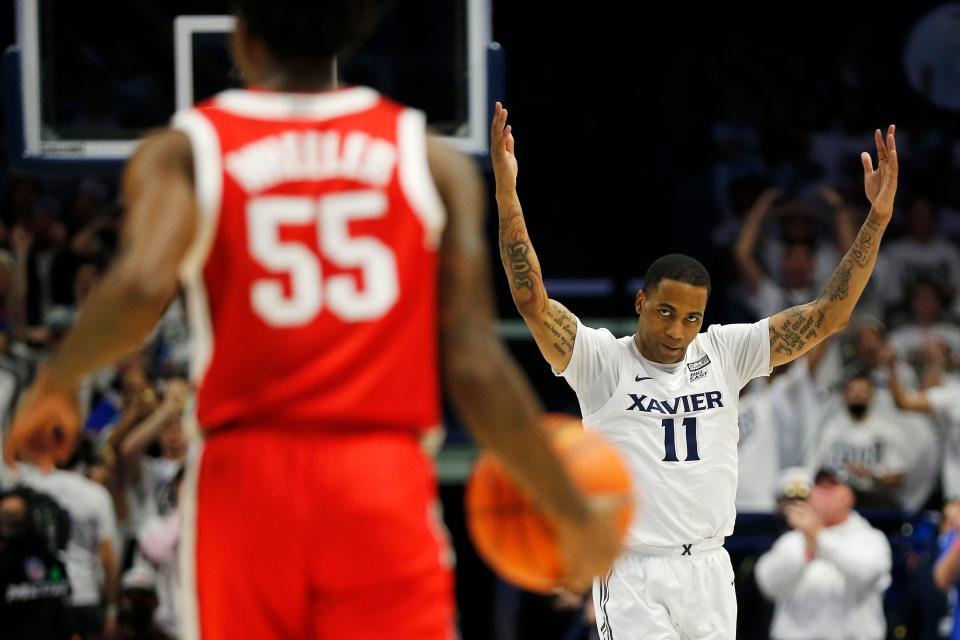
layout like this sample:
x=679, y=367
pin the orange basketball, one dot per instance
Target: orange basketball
x=511, y=534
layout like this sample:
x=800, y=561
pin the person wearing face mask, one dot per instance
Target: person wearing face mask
x=826, y=576
x=863, y=440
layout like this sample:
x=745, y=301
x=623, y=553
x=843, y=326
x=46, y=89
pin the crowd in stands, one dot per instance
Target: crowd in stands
x=880, y=405
x=877, y=408
x=120, y=489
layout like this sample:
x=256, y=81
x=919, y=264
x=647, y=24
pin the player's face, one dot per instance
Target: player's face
x=670, y=318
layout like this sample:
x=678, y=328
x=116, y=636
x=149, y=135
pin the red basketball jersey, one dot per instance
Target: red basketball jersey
x=312, y=283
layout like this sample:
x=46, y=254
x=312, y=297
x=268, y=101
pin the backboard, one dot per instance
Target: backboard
x=87, y=79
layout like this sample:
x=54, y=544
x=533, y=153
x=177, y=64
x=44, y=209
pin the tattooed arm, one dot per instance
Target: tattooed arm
x=553, y=326
x=797, y=330
x=478, y=368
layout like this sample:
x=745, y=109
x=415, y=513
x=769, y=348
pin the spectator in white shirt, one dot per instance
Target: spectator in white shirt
x=860, y=350
x=927, y=302
x=826, y=576
x=91, y=553
x=922, y=254
x=154, y=476
x=863, y=347
x=863, y=440
x=791, y=277
x=939, y=401
x=775, y=418
x=159, y=540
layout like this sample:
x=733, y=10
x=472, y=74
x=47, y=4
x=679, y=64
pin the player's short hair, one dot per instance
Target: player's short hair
x=679, y=267
x=303, y=31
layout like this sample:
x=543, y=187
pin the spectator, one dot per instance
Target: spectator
x=138, y=603
x=157, y=474
x=926, y=322
x=794, y=284
x=159, y=541
x=758, y=449
x=863, y=441
x=864, y=349
x=91, y=557
x=826, y=576
x=796, y=256
x=922, y=254
x=939, y=401
x=946, y=571
x=861, y=351
x=137, y=401
x=34, y=590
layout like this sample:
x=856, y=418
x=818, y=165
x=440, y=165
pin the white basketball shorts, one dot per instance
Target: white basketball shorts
x=668, y=593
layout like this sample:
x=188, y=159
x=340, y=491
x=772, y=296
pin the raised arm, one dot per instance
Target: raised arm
x=553, y=326
x=745, y=249
x=148, y=430
x=795, y=331
x=905, y=399
x=489, y=391
x=844, y=230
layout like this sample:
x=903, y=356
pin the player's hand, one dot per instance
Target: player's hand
x=46, y=426
x=588, y=548
x=501, y=151
x=880, y=184
x=802, y=517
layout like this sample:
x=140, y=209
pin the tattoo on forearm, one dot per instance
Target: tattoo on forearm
x=562, y=326
x=838, y=287
x=796, y=329
x=862, y=249
x=801, y=325
x=520, y=265
x=520, y=262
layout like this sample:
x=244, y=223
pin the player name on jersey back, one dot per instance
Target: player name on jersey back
x=312, y=155
x=313, y=277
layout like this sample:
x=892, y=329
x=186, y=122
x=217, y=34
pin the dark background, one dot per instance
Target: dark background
x=613, y=106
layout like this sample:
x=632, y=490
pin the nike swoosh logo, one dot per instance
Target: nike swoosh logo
x=639, y=379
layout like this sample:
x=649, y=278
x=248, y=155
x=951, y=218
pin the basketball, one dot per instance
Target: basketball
x=511, y=533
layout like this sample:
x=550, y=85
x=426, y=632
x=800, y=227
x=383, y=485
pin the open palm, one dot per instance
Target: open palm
x=502, y=151
x=880, y=183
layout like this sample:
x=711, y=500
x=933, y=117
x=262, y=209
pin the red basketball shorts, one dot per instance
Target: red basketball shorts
x=290, y=534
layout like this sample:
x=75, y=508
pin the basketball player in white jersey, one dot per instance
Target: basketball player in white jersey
x=668, y=397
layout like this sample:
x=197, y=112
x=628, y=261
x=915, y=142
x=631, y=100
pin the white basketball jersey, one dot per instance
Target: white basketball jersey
x=676, y=424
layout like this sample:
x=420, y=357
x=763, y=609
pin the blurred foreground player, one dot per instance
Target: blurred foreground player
x=323, y=240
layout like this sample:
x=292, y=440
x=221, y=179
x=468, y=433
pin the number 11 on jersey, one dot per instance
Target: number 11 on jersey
x=670, y=441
